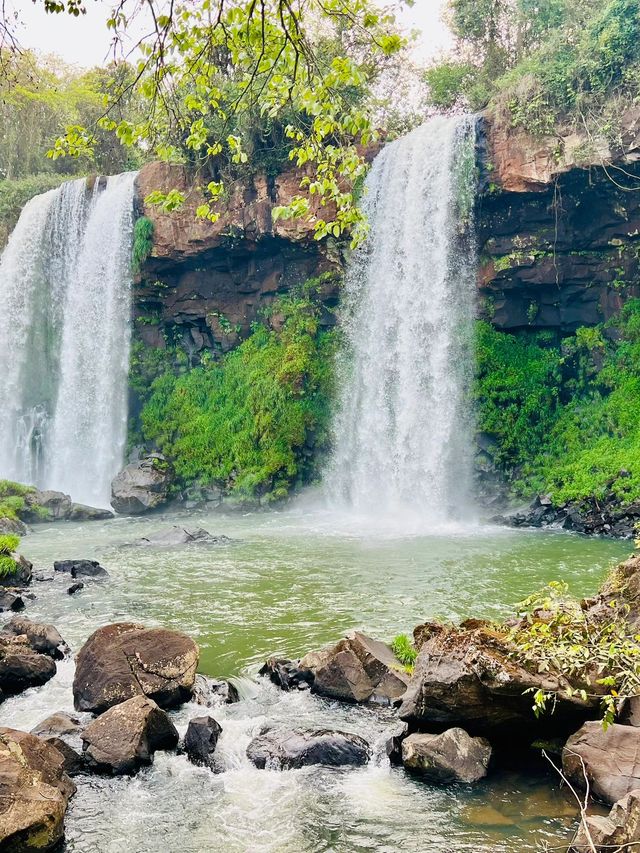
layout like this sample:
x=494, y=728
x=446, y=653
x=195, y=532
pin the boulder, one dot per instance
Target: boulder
x=10, y=601
x=177, y=535
x=356, y=669
x=201, y=739
x=73, y=761
x=22, y=574
x=126, y=736
x=21, y=667
x=12, y=526
x=466, y=677
x=214, y=691
x=42, y=638
x=57, y=505
x=610, y=760
x=124, y=660
x=452, y=756
x=82, y=512
x=34, y=793
x=285, y=749
x=81, y=568
x=141, y=486
x=56, y=725
x=616, y=831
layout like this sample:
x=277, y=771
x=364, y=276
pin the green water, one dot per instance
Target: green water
x=290, y=582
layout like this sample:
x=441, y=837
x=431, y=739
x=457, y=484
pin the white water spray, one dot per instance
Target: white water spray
x=64, y=338
x=403, y=433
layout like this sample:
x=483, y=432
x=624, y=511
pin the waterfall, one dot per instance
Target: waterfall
x=64, y=338
x=403, y=432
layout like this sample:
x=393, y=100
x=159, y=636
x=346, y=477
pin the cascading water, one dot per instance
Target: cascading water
x=64, y=338
x=403, y=430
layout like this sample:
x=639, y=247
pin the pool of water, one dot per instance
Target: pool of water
x=291, y=581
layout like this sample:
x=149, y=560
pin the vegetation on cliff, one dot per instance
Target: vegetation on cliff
x=564, y=416
x=255, y=422
x=539, y=62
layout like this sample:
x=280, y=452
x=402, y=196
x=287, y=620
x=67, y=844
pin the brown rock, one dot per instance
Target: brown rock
x=452, y=756
x=125, y=737
x=41, y=637
x=285, y=749
x=124, y=660
x=609, y=759
x=57, y=724
x=21, y=667
x=616, y=831
x=34, y=793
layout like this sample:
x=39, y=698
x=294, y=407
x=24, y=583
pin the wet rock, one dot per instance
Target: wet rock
x=616, y=831
x=21, y=667
x=214, y=691
x=452, y=756
x=57, y=505
x=285, y=749
x=10, y=601
x=610, y=759
x=13, y=526
x=467, y=678
x=35, y=791
x=181, y=536
x=75, y=587
x=142, y=486
x=82, y=512
x=41, y=637
x=287, y=674
x=126, y=736
x=201, y=739
x=124, y=660
x=81, y=568
x=22, y=574
x=393, y=744
x=74, y=762
x=357, y=669
x=56, y=725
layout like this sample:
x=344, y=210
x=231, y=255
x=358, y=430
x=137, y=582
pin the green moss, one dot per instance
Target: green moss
x=248, y=422
x=142, y=242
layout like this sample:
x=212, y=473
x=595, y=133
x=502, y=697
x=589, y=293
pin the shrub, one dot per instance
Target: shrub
x=8, y=544
x=142, y=242
x=404, y=650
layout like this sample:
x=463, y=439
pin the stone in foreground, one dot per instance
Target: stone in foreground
x=42, y=638
x=610, y=759
x=34, y=793
x=10, y=601
x=452, y=756
x=124, y=660
x=125, y=737
x=201, y=739
x=286, y=749
x=21, y=667
x=619, y=830
x=141, y=486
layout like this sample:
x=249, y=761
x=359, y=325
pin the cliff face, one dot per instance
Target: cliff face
x=558, y=227
x=208, y=282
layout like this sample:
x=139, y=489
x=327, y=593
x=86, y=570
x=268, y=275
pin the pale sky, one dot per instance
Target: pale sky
x=85, y=41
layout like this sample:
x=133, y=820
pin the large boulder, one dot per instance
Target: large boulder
x=619, y=830
x=467, y=677
x=41, y=637
x=141, y=486
x=452, y=756
x=49, y=505
x=82, y=512
x=608, y=760
x=285, y=749
x=124, y=660
x=34, y=793
x=21, y=575
x=21, y=667
x=126, y=736
x=201, y=739
x=356, y=669
x=81, y=568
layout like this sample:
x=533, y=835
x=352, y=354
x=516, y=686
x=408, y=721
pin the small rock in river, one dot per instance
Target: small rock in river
x=75, y=587
x=81, y=568
x=201, y=739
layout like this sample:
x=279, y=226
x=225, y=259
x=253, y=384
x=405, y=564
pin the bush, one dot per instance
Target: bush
x=142, y=242
x=8, y=544
x=404, y=650
x=243, y=423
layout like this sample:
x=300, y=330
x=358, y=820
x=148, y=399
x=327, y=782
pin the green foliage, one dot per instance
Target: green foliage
x=565, y=420
x=13, y=501
x=404, y=650
x=599, y=657
x=447, y=83
x=243, y=423
x=142, y=242
x=8, y=544
x=7, y=565
x=15, y=194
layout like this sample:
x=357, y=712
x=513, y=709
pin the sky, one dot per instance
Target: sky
x=85, y=41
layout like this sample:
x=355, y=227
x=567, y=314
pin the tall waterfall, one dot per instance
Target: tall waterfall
x=402, y=435
x=64, y=338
